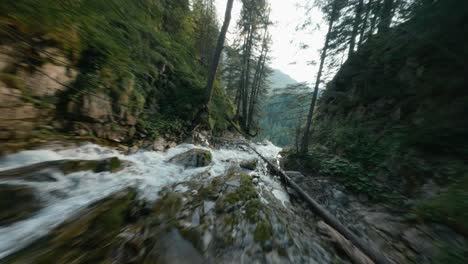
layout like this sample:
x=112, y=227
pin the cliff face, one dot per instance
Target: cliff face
x=392, y=124
x=38, y=99
x=397, y=108
x=117, y=71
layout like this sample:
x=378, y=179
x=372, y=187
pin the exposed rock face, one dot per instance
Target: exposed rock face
x=193, y=158
x=96, y=108
x=30, y=97
x=401, y=240
x=52, y=77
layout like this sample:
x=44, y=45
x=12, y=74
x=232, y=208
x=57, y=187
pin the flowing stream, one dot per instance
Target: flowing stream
x=148, y=172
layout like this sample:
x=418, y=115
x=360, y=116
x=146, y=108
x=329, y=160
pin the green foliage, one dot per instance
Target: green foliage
x=221, y=111
x=394, y=115
x=148, y=46
x=450, y=207
x=452, y=255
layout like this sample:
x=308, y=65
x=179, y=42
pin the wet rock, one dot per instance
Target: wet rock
x=173, y=248
x=160, y=144
x=132, y=150
x=363, y=197
x=17, y=202
x=296, y=176
x=420, y=242
x=387, y=223
x=196, y=217
x=208, y=206
x=43, y=171
x=89, y=238
x=193, y=158
x=339, y=195
x=249, y=164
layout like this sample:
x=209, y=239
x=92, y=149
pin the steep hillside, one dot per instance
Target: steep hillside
x=279, y=79
x=392, y=123
x=115, y=70
x=276, y=123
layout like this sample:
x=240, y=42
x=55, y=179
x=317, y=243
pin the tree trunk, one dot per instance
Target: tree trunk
x=219, y=49
x=305, y=139
x=330, y=219
x=386, y=15
x=246, y=85
x=257, y=79
x=255, y=90
x=364, y=23
x=377, y=8
x=357, y=23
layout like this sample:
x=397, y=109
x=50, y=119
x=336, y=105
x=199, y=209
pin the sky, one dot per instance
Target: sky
x=286, y=55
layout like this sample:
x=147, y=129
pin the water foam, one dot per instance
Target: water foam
x=149, y=172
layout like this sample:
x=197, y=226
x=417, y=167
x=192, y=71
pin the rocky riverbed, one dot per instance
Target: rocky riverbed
x=189, y=204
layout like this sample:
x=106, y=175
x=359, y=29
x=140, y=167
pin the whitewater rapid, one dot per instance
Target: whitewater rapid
x=148, y=172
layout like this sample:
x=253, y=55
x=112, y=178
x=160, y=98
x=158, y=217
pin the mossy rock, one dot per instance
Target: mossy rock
x=243, y=194
x=194, y=158
x=249, y=164
x=168, y=206
x=32, y=172
x=17, y=202
x=263, y=232
x=90, y=238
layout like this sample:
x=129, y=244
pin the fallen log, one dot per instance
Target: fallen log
x=369, y=250
x=355, y=255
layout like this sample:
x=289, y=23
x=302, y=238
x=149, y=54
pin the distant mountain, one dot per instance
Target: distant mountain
x=279, y=79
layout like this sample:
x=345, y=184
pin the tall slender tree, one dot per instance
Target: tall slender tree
x=336, y=5
x=356, y=25
x=386, y=15
x=219, y=48
x=364, y=23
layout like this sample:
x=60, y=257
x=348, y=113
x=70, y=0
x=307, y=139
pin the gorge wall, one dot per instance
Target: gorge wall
x=392, y=123
x=115, y=70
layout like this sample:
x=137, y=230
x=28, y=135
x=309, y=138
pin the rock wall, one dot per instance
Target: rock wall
x=39, y=98
x=395, y=114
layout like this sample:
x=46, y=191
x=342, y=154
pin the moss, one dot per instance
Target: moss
x=193, y=235
x=452, y=254
x=211, y=191
x=263, y=231
x=252, y=210
x=168, y=206
x=283, y=252
x=112, y=165
x=11, y=81
x=16, y=203
x=449, y=208
x=243, y=194
x=89, y=238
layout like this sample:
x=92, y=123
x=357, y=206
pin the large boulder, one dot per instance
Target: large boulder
x=249, y=164
x=43, y=171
x=193, y=158
x=91, y=237
x=17, y=202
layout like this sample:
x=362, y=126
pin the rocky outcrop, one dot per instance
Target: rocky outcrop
x=39, y=100
x=249, y=164
x=86, y=239
x=193, y=158
x=44, y=171
x=400, y=238
x=17, y=202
